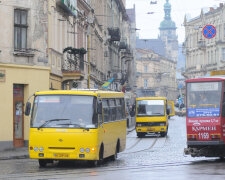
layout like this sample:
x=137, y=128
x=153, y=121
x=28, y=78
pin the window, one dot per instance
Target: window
x=119, y=113
x=224, y=29
x=20, y=29
x=223, y=53
x=145, y=83
x=145, y=68
x=106, y=110
x=112, y=105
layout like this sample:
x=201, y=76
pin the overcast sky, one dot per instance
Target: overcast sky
x=149, y=24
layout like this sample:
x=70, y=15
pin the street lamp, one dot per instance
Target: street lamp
x=150, y=12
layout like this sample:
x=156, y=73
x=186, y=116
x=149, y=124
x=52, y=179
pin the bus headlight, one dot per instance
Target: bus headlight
x=35, y=149
x=139, y=125
x=41, y=149
x=82, y=150
x=87, y=150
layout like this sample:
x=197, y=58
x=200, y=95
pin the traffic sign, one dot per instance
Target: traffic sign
x=209, y=31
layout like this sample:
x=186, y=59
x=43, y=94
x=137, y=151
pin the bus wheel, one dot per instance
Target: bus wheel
x=93, y=163
x=114, y=157
x=140, y=135
x=42, y=162
x=163, y=134
x=101, y=155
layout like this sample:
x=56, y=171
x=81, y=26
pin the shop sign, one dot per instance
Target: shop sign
x=2, y=75
x=71, y=6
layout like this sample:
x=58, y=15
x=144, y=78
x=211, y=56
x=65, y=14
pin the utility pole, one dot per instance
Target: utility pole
x=88, y=51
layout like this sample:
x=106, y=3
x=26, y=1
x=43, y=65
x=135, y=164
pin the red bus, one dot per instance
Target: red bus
x=205, y=117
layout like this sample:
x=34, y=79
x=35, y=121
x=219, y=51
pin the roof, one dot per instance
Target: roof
x=131, y=14
x=157, y=45
x=207, y=79
x=144, y=98
x=88, y=92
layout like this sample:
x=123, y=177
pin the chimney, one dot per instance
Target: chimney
x=221, y=5
x=211, y=9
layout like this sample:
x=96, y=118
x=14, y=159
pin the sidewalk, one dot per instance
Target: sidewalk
x=23, y=153
x=130, y=129
x=15, y=153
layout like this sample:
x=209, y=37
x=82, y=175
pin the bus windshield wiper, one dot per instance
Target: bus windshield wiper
x=51, y=120
x=157, y=114
x=82, y=127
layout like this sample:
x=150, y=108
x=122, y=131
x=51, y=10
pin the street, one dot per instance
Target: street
x=151, y=157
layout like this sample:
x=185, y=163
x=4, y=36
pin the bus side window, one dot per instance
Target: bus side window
x=100, y=115
x=123, y=109
x=112, y=109
x=105, y=110
x=223, y=105
x=118, y=109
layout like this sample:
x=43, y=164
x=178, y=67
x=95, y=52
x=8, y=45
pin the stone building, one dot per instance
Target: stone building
x=204, y=55
x=24, y=65
x=157, y=59
x=168, y=33
x=58, y=44
x=156, y=75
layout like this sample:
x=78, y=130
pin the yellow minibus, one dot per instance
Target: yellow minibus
x=152, y=115
x=77, y=125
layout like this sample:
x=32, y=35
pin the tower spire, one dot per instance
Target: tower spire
x=167, y=10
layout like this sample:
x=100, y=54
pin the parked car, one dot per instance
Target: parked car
x=182, y=112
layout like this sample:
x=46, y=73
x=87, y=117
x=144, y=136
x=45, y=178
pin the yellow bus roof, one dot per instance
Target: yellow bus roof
x=145, y=98
x=82, y=92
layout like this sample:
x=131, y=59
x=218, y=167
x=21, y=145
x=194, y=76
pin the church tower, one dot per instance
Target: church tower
x=168, y=33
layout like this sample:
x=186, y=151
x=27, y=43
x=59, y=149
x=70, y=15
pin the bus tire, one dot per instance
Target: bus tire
x=140, y=135
x=114, y=157
x=163, y=134
x=101, y=155
x=93, y=163
x=42, y=162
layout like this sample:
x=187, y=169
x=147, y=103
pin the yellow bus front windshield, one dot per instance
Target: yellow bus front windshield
x=64, y=111
x=150, y=107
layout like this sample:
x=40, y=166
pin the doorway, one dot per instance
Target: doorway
x=18, y=115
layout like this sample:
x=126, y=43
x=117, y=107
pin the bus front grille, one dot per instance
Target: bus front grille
x=61, y=148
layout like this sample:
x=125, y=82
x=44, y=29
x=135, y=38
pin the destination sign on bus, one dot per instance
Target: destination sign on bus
x=205, y=86
x=152, y=102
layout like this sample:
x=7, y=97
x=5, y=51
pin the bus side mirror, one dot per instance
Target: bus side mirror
x=99, y=107
x=167, y=111
x=28, y=108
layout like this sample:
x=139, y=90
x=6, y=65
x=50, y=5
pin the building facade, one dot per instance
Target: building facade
x=168, y=33
x=58, y=44
x=204, y=55
x=24, y=65
x=156, y=75
x=156, y=61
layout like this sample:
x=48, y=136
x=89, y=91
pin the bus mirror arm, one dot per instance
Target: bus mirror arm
x=167, y=111
x=28, y=106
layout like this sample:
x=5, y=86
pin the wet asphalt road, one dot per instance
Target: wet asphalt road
x=151, y=157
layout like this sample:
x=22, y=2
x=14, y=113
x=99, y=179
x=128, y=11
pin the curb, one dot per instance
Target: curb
x=14, y=157
x=26, y=156
x=130, y=130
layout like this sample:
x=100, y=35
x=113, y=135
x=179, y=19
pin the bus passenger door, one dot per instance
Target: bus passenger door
x=170, y=105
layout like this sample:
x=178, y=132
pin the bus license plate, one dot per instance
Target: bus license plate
x=60, y=155
x=150, y=129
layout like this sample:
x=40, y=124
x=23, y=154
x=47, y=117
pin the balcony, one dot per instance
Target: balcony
x=201, y=44
x=220, y=42
x=73, y=64
x=115, y=34
x=123, y=45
